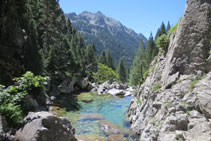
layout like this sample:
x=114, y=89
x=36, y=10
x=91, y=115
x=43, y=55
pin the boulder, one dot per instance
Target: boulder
x=103, y=88
x=91, y=116
x=30, y=104
x=84, y=84
x=90, y=138
x=67, y=86
x=203, y=92
x=3, y=124
x=116, y=138
x=109, y=128
x=44, y=126
x=116, y=92
x=85, y=97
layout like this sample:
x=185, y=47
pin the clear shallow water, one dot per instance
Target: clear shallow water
x=113, y=109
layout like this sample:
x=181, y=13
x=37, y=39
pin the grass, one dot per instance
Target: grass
x=156, y=87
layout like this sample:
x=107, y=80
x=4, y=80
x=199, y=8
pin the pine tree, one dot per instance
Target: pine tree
x=139, y=66
x=91, y=60
x=110, y=62
x=162, y=29
x=150, y=49
x=168, y=27
x=103, y=59
x=121, y=71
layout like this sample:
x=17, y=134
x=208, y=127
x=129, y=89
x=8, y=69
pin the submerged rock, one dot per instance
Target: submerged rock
x=109, y=128
x=116, y=138
x=91, y=116
x=43, y=126
x=85, y=97
x=90, y=138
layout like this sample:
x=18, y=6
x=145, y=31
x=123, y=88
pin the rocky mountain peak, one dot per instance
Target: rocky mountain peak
x=174, y=101
x=107, y=33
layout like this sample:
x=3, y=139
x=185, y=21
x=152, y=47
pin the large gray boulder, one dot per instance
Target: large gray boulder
x=43, y=126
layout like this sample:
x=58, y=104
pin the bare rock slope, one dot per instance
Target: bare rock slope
x=174, y=102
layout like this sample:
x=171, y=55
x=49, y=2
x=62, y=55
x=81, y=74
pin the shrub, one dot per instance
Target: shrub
x=104, y=73
x=163, y=42
x=173, y=29
x=12, y=96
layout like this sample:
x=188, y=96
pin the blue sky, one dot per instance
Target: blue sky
x=143, y=16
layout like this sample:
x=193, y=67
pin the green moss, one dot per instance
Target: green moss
x=180, y=137
x=193, y=83
x=188, y=112
x=138, y=101
x=156, y=87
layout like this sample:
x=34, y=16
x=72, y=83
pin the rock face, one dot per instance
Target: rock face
x=180, y=109
x=43, y=126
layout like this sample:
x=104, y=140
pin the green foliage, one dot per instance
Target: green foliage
x=173, y=29
x=110, y=62
x=156, y=87
x=104, y=73
x=163, y=42
x=103, y=59
x=139, y=66
x=121, y=71
x=12, y=96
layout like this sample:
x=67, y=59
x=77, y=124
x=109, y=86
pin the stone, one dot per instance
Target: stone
x=89, y=138
x=103, y=88
x=30, y=104
x=91, y=116
x=116, y=138
x=3, y=124
x=109, y=128
x=67, y=86
x=203, y=92
x=44, y=126
x=116, y=92
x=85, y=97
x=84, y=83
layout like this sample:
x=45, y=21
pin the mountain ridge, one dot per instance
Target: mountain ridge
x=107, y=33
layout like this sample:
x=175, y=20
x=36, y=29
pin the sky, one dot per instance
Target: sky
x=143, y=16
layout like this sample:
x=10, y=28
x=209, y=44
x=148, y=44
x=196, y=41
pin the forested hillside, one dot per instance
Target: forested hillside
x=107, y=34
x=36, y=36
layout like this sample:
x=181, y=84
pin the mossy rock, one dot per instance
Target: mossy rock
x=86, y=97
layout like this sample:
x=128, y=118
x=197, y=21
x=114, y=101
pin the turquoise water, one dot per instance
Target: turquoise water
x=113, y=109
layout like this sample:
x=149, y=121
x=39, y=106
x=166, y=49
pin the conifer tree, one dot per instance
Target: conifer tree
x=121, y=71
x=110, y=62
x=139, y=66
x=168, y=27
x=103, y=59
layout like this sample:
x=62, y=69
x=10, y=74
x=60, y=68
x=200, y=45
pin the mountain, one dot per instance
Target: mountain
x=174, y=101
x=107, y=33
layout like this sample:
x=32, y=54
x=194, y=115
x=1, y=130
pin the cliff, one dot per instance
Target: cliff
x=174, y=101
